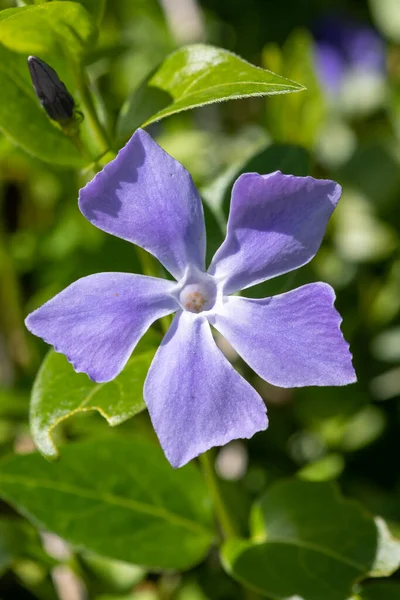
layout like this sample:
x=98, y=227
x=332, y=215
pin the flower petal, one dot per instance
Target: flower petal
x=146, y=197
x=196, y=399
x=98, y=320
x=276, y=224
x=291, y=340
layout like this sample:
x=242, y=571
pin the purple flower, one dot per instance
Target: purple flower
x=195, y=397
x=343, y=48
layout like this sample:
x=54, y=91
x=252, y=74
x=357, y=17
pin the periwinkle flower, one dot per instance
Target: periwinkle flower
x=196, y=399
x=346, y=50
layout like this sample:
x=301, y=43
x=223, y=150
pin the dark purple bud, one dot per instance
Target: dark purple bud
x=52, y=93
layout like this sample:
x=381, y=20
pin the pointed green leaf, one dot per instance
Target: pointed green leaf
x=193, y=76
x=308, y=542
x=117, y=497
x=51, y=29
x=59, y=392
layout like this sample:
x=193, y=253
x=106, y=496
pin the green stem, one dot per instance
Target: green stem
x=99, y=133
x=227, y=526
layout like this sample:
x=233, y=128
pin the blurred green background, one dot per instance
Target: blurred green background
x=346, y=126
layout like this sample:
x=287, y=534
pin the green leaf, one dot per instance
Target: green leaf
x=22, y=118
x=296, y=119
x=387, y=559
x=117, y=497
x=308, y=541
x=51, y=29
x=94, y=7
x=59, y=393
x=193, y=76
x=381, y=591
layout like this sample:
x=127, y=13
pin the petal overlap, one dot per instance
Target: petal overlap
x=147, y=197
x=290, y=340
x=276, y=224
x=196, y=399
x=98, y=320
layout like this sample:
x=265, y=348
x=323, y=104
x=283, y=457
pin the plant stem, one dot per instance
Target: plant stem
x=99, y=133
x=227, y=526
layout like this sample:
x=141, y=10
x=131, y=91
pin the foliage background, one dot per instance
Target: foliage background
x=350, y=435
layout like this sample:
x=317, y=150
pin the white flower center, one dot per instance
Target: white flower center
x=197, y=292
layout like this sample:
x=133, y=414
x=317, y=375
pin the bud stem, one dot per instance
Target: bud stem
x=89, y=110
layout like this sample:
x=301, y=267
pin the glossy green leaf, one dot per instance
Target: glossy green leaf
x=22, y=118
x=308, y=541
x=94, y=7
x=116, y=497
x=193, y=76
x=59, y=393
x=51, y=29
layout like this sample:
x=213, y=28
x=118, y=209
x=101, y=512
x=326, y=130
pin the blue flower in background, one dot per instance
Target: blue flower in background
x=196, y=399
x=346, y=49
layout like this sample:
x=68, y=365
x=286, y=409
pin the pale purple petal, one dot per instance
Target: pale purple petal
x=276, y=224
x=195, y=397
x=98, y=320
x=146, y=197
x=291, y=340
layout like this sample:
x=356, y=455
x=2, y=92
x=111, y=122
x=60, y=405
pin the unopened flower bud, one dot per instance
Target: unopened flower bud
x=52, y=93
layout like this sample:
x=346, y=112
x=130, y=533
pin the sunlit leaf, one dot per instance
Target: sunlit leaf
x=52, y=29
x=194, y=76
x=59, y=393
x=94, y=7
x=308, y=541
x=116, y=497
